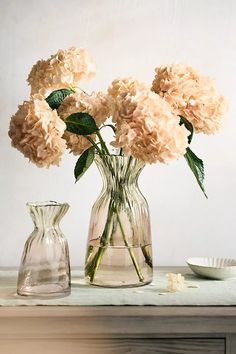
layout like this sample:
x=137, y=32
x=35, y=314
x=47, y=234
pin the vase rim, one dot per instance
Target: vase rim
x=46, y=204
x=119, y=156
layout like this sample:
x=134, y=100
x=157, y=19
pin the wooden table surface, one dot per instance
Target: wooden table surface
x=117, y=329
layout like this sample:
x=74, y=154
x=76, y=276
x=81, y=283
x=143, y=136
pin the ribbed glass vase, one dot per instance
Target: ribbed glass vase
x=45, y=264
x=119, y=251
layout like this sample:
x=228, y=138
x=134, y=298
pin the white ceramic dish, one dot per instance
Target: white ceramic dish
x=213, y=268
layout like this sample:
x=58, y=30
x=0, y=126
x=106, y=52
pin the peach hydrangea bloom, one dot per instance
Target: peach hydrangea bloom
x=191, y=95
x=64, y=69
x=97, y=105
x=37, y=131
x=146, y=128
x=128, y=85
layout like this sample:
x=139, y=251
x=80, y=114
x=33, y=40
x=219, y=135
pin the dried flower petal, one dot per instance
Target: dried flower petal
x=175, y=282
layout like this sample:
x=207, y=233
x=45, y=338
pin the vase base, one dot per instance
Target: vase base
x=118, y=286
x=44, y=291
x=119, y=266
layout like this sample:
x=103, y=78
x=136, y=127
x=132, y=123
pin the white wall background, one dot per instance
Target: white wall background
x=125, y=37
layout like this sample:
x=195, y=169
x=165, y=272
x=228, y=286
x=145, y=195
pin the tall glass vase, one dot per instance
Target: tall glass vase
x=45, y=264
x=119, y=251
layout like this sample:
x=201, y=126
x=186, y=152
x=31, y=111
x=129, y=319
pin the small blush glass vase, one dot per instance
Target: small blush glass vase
x=119, y=250
x=45, y=264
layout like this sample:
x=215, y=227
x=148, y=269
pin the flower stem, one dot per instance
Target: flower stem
x=103, y=144
x=108, y=125
x=92, y=266
x=148, y=258
x=95, y=263
x=132, y=256
x=77, y=87
x=94, y=144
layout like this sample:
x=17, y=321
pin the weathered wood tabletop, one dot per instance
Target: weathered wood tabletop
x=118, y=329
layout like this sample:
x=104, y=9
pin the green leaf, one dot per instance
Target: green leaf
x=188, y=126
x=197, y=167
x=84, y=162
x=56, y=97
x=81, y=124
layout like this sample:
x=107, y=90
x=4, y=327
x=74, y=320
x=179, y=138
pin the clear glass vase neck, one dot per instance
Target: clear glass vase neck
x=48, y=214
x=119, y=171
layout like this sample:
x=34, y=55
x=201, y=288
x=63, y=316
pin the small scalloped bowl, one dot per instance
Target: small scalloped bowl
x=213, y=267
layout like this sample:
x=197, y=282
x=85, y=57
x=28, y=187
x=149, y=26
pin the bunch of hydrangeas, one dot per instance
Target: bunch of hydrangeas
x=150, y=124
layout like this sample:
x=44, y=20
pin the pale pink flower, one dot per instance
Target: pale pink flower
x=191, y=95
x=124, y=86
x=146, y=128
x=64, y=69
x=37, y=132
